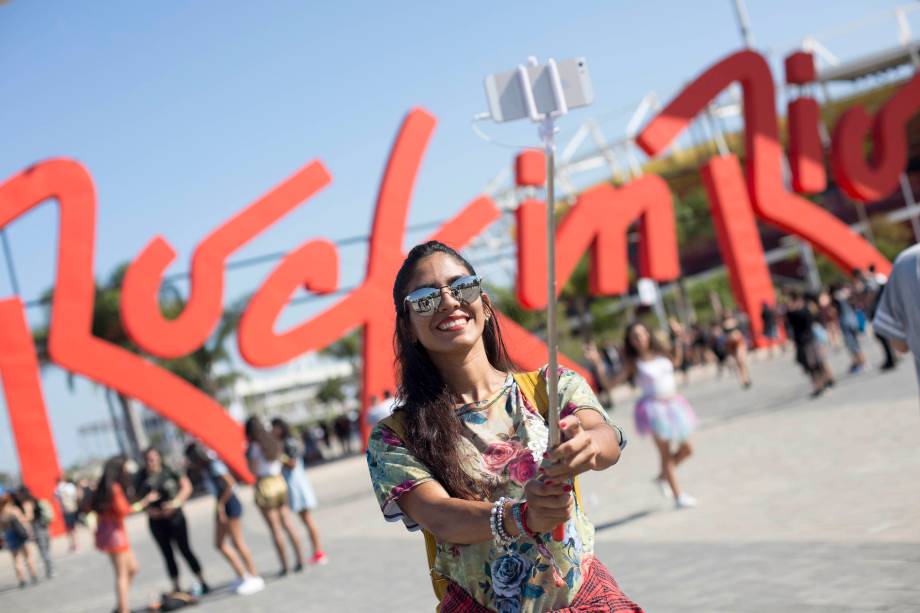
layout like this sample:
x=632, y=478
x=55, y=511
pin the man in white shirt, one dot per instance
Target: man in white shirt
x=380, y=410
x=69, y=498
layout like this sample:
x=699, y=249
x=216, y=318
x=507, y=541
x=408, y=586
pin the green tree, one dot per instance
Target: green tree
x=505, y=300
x=208, y=368
x=331, y=391
x=694, y=220
x=347, y=348
x=891, y=238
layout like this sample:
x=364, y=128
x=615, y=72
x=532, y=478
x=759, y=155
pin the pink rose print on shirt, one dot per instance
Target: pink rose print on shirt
x=498, y=454
x=402, y=488
x=523, y=467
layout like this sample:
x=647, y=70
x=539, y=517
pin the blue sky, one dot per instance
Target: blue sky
x=186, y=112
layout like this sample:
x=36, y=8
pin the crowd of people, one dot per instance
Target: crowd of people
x=813, y=322
x=159, y=490
x=451, y=356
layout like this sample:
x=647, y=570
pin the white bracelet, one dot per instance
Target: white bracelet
x=499, y=534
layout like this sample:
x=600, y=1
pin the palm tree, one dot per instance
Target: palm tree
x=200, y=368
x=210, y=367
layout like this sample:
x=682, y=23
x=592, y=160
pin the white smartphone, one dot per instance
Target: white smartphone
x=507, y=100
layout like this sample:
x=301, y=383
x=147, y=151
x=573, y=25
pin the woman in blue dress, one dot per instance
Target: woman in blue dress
x=301, y=497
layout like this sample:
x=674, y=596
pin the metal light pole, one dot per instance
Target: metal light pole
x=744, y=23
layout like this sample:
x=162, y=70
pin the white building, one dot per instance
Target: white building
x=291, y=393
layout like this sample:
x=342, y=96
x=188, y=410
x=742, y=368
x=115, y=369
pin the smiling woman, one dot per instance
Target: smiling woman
x=460, y=457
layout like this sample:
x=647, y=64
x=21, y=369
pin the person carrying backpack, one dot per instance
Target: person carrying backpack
x=464, y=456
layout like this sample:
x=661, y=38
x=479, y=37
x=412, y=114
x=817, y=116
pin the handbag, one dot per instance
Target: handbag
x=269, y=489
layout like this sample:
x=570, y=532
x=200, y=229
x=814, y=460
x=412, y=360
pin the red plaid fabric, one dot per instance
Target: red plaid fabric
x=599, y=593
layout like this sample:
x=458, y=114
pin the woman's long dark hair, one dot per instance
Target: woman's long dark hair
x=256, y=433
x=433, y=430
x=113, y=472
x=196, y=455
x=282, y=425
x=630, y=350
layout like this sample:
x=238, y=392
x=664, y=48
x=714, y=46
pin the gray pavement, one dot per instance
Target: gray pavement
x=805, y=505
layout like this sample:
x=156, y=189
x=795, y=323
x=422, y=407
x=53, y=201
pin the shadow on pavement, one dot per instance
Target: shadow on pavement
x=625, y=520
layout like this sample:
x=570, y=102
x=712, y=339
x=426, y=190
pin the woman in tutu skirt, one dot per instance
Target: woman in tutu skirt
x=660, y=410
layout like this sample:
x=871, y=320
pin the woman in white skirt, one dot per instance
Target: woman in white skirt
x=301, y=497
x=660, y=411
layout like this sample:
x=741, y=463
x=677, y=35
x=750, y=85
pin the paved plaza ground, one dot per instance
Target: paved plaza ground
x=805, y=505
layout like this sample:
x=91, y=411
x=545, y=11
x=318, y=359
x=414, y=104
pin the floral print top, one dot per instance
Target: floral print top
x=504, y=437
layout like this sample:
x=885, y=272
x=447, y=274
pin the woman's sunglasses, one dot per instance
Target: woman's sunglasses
x=425, y=300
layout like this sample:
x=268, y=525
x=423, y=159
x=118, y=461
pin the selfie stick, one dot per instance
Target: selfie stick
x=548, y=135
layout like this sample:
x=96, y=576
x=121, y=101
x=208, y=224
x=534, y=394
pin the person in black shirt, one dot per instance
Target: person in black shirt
x=165, y=517
x=807, y=352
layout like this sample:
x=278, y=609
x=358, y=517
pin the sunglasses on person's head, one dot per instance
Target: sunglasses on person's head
x=426, y=300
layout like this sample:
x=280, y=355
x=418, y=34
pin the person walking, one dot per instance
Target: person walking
x=736, y=348
x=39, y=514
x=227, y=521
x=165, y=518
x=460, y=456
x=16, y=534
x=264, y=455
x=660, y=411
x=769, y=317
x=849, y=326
x=301, y=497
x=68, y=497
x=808, y=353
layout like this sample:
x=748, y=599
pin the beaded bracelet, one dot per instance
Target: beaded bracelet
x=497, y=523
x=492, y=515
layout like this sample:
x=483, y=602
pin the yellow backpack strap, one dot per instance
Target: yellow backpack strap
x=439, y=583
x=533, y=387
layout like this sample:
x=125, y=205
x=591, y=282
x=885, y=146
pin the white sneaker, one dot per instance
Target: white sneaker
x=250, y=585
x=664, y=487
x=685, y=501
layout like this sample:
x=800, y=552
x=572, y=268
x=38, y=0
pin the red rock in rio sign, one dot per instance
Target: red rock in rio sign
x=598, y=222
